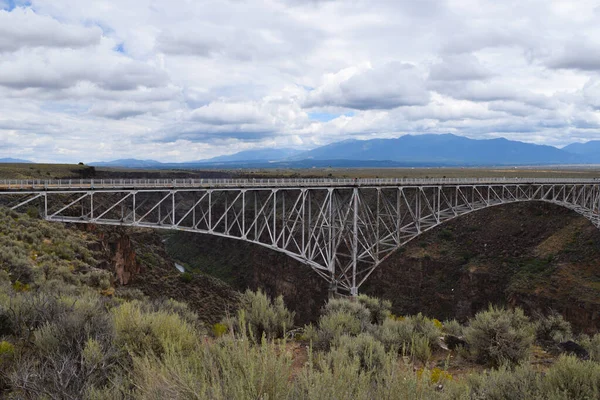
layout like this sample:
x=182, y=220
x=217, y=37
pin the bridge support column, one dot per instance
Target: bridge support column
x=354, y=288
x=333, y=289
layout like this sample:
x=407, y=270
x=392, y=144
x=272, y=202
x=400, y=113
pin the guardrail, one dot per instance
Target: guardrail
x=74, y=184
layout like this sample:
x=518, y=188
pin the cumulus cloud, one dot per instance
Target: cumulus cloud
x=188, y=80
x=59, y=69
x=388, y=86
x=578, y=53
x=463, y=67
x=22, y=27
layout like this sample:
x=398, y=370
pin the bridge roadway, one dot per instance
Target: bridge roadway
x=342, y=228
x=97, y=184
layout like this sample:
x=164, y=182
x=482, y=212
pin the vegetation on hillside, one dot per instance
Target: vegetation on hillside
x=66, y=334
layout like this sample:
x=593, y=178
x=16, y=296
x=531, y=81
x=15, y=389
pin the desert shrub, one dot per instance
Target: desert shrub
x=504, y=383
x=144, y=332
x=127, y=293
x=332, y=326
x=395, y=334
x=592, y=345
x=27, y=311
x=453, y=327
x=553, y=328
x=186, y=277
x=259, y=315
x=97, y=278
x=379, y=309
x=225, y=369
x=70, y=352
x=174, y=307
x=571, y=378
x=428, y=328
x=497, y=336
x=333, y=375
x=219, y=330
x=414, y=336
x=420, y=348
x=369, y=352
x=16, y=262
x=356, y=309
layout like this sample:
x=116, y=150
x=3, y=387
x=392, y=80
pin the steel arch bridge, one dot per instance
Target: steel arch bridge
x=342, y=228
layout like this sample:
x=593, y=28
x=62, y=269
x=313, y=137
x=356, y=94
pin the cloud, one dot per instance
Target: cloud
x=228, y=114
x=125, y=110
x=64, y=68
x=388, y=86
x=462, y=67
x=186, y=80
x=23, y=28
x=578, y=53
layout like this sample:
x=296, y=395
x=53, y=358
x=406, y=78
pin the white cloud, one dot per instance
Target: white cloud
x=185, y=80
x=383, y=87
x=23, y=28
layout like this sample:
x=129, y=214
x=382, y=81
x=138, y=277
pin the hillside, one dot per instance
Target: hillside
x=91, y=314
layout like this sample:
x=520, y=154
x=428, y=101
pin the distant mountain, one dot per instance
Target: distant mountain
x=446, y=149
x=128, y=163
x=589, y=149
x=14, y=161
x=433, y=150
x=256, y=155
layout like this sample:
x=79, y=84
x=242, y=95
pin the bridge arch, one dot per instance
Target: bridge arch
x=342, y=229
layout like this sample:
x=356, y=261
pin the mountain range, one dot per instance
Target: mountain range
x=14, y=161
x=404, y=151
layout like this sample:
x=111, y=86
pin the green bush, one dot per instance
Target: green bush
x=358, y=310
x=522, y=383
x=369, y=352
x=453, y=327
x=379, y=309
x=592, y=345
x=258, y=315
x=498, y=336
x=571, y=378
x=143, y=332
x=332, y=326
x=553, y=328
x=186, y=277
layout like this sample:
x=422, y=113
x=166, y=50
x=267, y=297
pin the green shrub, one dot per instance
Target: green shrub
x=259, y=315
x=592, y=345
x=225, y=369
x=522, y=383
x=553, y=328
x=219, y=330
x=145, y=332
x=571, y=378
x=186, y=277
x=356, y=309
x=364, y=347
x=453, y=327
x=497, y=336
x=420, y=348
x=6, y=350
x=379, y=309
x=332, y=326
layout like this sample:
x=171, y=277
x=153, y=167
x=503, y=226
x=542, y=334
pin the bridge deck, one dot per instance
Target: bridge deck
x=133, y=184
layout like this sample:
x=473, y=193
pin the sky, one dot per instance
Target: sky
x=184, y=80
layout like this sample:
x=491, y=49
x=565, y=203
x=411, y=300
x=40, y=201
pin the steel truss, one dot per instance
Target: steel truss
x=342, y=231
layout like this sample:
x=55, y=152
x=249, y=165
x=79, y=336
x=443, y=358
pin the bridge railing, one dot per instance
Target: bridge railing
x=73, y=184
